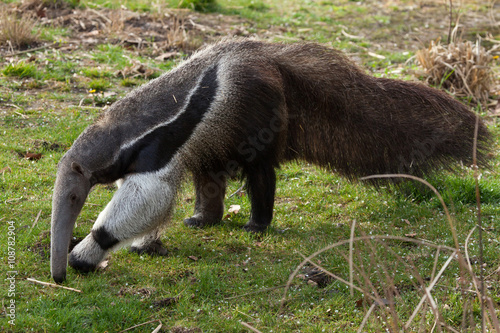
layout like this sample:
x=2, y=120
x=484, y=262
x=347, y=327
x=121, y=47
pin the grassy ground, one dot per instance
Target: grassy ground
x=215, y=279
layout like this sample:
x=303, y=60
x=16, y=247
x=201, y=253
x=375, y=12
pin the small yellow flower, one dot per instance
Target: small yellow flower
x=92, y=91
x=495, y=57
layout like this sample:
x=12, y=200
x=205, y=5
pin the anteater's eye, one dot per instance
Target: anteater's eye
x=73, y=197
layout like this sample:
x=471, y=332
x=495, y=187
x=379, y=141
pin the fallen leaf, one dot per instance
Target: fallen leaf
x=359, y=303
x=30, y=156
x=103, y=264
x=312, y=283
x=234, y=209
x=193, y=258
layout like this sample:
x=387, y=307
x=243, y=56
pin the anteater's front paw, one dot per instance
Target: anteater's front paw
x=80, y=264
x=86, y=255
x=199, y=222
x=154, y=248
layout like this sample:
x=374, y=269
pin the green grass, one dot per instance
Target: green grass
x=21, y=70
x=45, y=104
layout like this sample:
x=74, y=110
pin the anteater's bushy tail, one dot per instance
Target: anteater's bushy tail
x=360, y=125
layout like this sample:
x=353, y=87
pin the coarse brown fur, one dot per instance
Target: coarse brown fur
x=339, y=117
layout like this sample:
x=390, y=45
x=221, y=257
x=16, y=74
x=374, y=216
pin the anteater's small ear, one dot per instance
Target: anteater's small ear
x=77, y=168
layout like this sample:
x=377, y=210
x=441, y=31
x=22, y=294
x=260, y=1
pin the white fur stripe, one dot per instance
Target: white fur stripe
x=171, y=120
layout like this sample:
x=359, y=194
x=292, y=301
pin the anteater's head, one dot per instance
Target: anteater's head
x=70, y=191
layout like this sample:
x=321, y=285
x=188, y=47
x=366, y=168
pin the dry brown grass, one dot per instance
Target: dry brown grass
x=461, y=67
x=16, y=31
x=384, y=301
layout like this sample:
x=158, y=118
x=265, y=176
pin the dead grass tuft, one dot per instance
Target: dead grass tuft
x=461, y=67
x=16, y=31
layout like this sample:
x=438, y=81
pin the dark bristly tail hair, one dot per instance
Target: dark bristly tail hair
x=358, y=125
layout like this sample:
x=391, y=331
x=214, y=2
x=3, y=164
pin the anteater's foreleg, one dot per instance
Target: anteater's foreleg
x=140, y=205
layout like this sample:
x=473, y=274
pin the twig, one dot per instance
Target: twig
x=56, y=46
x=365, y=319
x=427, y=291
x=494, y=318
x=467, y=258
x=251, y=328
x=52, y=285
x=350, y=257
x=139, y=325
x=479, y=222
x=237, y=191
x=158, y=328
x=36, y=221
x=436, y=257
x=36, y=218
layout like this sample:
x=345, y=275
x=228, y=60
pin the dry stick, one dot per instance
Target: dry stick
x=494, y=318
x=368, y=283
x=467, y=258
x=427, y=291
x=345, y=241
x=57, y=45
x=251, y=328
x=365, y=319
x=135, y=326
x=52, y=285
x=479, y=223
x=350, y=257
x=36, y=219
x=435, y=263
x=238, y=190
x=158, y=328
x=469, y=265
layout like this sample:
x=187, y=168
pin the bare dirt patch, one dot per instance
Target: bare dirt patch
x=154, y=33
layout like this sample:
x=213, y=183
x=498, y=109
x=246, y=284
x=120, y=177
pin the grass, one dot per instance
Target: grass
x=216, y=278
x=21, y=70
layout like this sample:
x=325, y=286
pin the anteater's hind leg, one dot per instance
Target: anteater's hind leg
x=141, y=204
x=149, y=244
x=261, y=187
x=209, y=205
